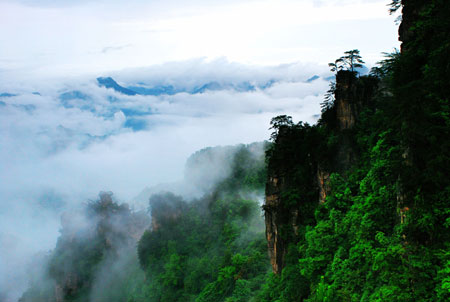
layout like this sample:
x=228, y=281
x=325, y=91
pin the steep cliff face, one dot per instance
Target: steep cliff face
x=346, y=107
x=410, y=14
x=323, y=180
x=289, y=194
x=277, y=217
x=352, y=96
x=299, y=172
x=408, y=33
x=380, y=234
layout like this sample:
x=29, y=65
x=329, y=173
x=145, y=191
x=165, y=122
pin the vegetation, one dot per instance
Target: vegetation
x=382, y=233
x=95, y=244
x=210, y=249
x=350, y=60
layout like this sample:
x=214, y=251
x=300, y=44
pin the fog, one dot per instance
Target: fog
x=65, y=140
x=105, y=231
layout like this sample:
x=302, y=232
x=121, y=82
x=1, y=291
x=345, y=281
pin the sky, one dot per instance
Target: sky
x=209, y=73
x=65, y=37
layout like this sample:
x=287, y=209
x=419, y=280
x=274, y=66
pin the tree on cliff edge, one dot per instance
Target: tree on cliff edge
x=350, y=60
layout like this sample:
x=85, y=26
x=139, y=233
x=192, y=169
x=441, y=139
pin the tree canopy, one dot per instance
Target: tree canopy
x=350, y=61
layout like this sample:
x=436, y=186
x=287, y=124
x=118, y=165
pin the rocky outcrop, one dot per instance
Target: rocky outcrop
x=283, y=216
x=346, y=111
x=279, y=222
x=323, y=180
x=353, y=94
x=410, y=13
x=274, y=219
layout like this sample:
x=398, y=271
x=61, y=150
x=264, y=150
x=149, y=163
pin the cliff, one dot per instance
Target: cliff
x=357, y=206
x=291, y=197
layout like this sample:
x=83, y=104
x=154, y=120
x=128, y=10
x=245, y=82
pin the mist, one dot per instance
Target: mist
x=96, y=255
x=182, y=79
x=65, y=140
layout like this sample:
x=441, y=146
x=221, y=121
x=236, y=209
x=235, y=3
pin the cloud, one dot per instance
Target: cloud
x=104, y=140
x=114, y=48
x=68, y=40
x=72, y=139
x=65, y=3
x=91, y=119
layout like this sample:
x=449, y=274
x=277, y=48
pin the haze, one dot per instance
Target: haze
x=232, y=67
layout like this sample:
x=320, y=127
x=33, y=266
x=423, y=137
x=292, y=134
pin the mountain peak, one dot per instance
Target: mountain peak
x=109, y=82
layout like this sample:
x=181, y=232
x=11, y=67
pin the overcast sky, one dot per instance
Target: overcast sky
x=73, y=37
x=63, y=138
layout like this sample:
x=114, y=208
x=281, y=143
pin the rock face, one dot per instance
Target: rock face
x=410, y=12
x=282, y=218
x=352, y=95
x=345, y=108
x=323, y=178
x=275, y=218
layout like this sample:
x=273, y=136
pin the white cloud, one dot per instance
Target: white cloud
x=57, y=39
x=89, y=138
x=74, y=148
x=80, y=147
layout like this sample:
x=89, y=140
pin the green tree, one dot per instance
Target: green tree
x=278, y=123
x=394, y=6
x=337, y=65
x=329, y=99
x=350, y=60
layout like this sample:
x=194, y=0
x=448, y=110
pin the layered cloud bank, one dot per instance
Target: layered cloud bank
x=63, y=141
x=138, y=127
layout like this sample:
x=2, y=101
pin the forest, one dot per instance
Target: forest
x=356, y=206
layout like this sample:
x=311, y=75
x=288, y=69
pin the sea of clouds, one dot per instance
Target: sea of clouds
x=64, y=140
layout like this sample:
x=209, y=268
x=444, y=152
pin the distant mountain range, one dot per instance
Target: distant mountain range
x=109, y=82
x=6, y=95
x=136, y=115
x=157, y=90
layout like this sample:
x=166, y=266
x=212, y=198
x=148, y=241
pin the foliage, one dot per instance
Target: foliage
x=329, y=99
x=394, y=6
x=382, y=233
x=350, y=60
x=94, y=244
x=209, y=249
x=212, y=248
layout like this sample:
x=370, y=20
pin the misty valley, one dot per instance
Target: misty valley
x=186, y=249
x=232, y=182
